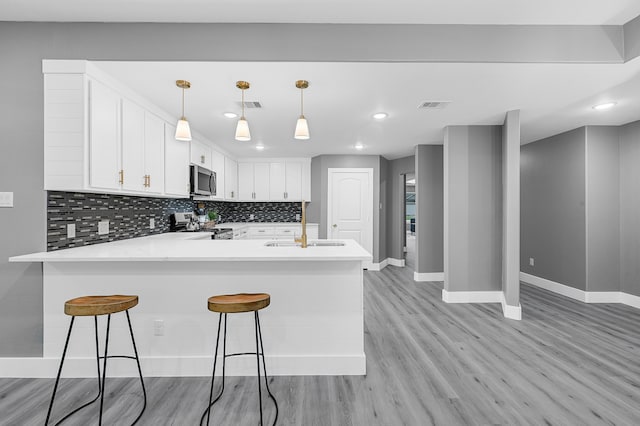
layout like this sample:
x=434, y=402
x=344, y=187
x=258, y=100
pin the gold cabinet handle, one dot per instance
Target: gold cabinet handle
x=121, y=177
x=148, y=181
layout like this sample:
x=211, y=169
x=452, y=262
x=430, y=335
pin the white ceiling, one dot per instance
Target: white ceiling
x=571, y=12
x=342, y=97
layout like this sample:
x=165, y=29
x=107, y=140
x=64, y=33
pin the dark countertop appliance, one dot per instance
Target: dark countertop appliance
x=188, y=222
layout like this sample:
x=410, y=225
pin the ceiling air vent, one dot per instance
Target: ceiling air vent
x=251, y=104
x=433, y=105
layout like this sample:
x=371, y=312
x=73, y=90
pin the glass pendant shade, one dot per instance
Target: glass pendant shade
x=302, y=129
x=242, y=130
x=183, y=131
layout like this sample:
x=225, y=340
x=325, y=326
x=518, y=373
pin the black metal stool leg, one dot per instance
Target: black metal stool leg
x=104, y=367
x=255, y=319
x=135, y=351
x=55, y=387
x=264, y=367
x=212, y=401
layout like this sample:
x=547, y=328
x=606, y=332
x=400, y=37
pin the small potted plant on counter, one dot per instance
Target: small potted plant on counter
x=213, y=217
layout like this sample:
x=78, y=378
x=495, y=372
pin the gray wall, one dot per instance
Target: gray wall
x=473, y=208
x=630, y=208
x=632, y=39
x=511, y=208
x=395, y=205
x=317, y=211
x=429, y=209
x=603, y=208
x=552, y=209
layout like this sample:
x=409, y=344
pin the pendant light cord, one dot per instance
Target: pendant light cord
x=301, y=102
x=242, y=105
x=183, y=117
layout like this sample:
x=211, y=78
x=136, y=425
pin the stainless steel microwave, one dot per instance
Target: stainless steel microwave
x=203, y=181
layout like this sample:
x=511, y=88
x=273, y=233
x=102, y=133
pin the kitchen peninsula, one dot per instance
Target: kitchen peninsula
x=314, y=323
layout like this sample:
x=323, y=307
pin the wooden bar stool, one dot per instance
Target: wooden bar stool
x=94, y=306
x=235, y=303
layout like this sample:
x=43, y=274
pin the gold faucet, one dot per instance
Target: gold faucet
x=303, y=238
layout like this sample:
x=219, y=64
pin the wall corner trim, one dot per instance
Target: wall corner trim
x=511, y=311
x=428, y=276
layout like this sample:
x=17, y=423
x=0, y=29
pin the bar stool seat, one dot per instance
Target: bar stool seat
x=99, y=305
x=232, y=304
x=243, y=302
x=94, y=306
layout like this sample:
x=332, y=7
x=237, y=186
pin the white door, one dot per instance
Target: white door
x=350, y=204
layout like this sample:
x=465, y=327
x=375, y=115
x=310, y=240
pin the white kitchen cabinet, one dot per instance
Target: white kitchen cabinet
x=277, y=181
x=104, y=137
x=293, y=180
x=132, y=147
x=230, y=179
x=261, y=233
x=253, y=181
x=217, y=165
x=142, y=150
x=176, y=166
x=200, y=154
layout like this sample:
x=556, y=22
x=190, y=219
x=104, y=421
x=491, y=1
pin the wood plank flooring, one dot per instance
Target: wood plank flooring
x=428, y=363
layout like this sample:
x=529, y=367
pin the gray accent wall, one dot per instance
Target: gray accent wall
x=603, y=208
x=511, y=208
x=398, y=168
x=429, y=209
x=632, y=39
x=317, y=210
x=473, y=208
x=630, y=208
x=552, y=209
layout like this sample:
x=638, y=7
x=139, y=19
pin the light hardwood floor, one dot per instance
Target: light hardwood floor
x=565, y=363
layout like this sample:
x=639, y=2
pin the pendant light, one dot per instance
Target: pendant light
x=242, y=129
x=183, y=131
x=302, y=128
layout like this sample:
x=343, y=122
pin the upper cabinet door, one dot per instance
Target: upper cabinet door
x=245, y=182
x=104, y=137
x=200, y=154
x=133, y=139
x=294, y=181
x=230, y=179
x=176, y=167
x=153, y=153
x=277, y=187
x=261, y=181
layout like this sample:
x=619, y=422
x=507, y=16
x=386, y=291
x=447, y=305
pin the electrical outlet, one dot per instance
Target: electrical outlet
x=251, y=217
x=71, y=230
x=158, y=328
x=103, y=227
x=152, y=223
x=532, y=261
x=6, y=199
x=298, y=216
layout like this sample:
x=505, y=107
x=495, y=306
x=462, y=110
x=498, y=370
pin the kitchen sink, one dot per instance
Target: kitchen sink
x=309, y=244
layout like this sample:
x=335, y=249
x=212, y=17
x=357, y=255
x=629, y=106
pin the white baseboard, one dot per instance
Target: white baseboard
x=377, y=267
x=553, y=286
x=396, y=262
x=472, y=296
x=190, y=366
x=510, y=311
x=582, y=296
x=428, y=276
x=630, y=300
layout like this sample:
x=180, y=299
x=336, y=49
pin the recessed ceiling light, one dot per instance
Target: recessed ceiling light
x=380, y=115
x=230, y=114
x=359, y=146
x=260, y=147
x=605, y=106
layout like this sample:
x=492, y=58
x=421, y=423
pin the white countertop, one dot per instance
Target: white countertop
x=196, y=246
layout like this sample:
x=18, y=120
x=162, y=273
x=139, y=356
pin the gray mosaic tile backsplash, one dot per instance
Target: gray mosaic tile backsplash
x=129, y=216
